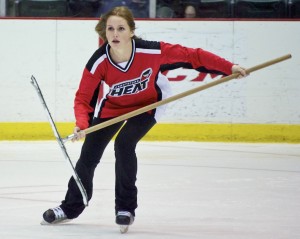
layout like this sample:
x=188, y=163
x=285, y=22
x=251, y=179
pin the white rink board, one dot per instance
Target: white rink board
x=56, y=51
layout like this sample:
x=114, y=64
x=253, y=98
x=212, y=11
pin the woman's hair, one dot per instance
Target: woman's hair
x=123, y=12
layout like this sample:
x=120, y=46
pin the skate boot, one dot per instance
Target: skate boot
x=54, y=216
x=124, y=219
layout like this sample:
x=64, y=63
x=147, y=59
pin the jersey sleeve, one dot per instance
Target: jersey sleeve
x=85, y=99
x=195, y=58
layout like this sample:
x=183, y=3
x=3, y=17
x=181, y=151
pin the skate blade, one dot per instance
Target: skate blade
x=44, y=223
x=124, y=228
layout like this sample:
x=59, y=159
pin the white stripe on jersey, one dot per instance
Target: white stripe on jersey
x=166, y=91
x=97, y=63
x=148, y=51
x=105, y=91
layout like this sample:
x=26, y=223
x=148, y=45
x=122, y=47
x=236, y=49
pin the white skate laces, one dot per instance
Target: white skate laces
x=59, y=213
x=124, y=213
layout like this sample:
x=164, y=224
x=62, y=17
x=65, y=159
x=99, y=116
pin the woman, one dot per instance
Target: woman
x=124, y=74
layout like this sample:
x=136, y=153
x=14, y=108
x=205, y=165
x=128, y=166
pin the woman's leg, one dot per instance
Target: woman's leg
x=126, y=161
x=91, y=153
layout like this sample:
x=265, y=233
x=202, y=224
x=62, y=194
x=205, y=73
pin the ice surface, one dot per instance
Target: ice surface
x=186, y=190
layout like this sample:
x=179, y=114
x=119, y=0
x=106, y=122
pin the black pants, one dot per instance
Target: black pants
x=125, y=167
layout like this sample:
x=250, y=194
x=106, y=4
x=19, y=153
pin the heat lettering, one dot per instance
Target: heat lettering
x=132, y=86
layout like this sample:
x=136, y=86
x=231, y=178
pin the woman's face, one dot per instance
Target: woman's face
x=118, y=33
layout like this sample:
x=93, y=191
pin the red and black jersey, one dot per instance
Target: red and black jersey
x=108, y=89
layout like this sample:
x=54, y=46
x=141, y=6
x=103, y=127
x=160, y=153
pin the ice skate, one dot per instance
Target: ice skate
x=124, y=219
x=54, y=216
